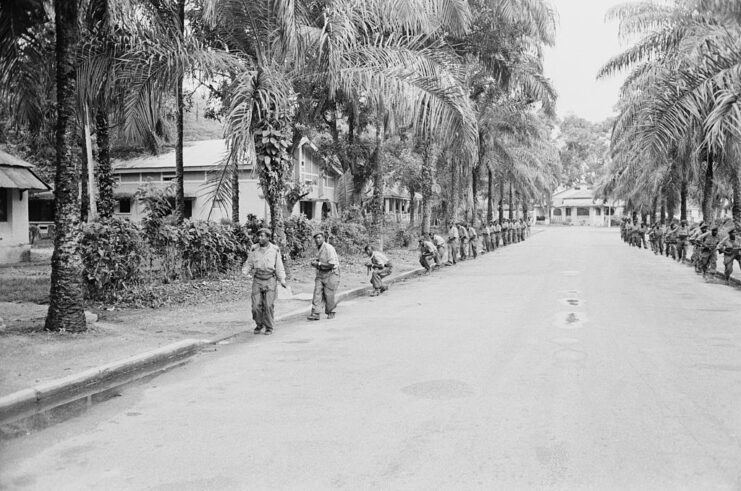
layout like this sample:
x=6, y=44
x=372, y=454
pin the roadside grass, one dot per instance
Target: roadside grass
x=31, y=289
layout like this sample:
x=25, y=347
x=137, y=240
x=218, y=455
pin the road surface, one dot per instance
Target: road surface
x=570, y=361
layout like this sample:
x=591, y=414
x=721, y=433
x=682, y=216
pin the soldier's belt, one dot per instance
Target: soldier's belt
x=264, y=275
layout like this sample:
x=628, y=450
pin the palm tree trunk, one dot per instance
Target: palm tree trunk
x=510, y=200
x=683, y=199
x=412, y=203
x=736, y=206
x=501, y=200
x=474, y=196
x=106, y=202
x=426, y=214
x=179, y=180
x=671, y=203
x=663, y=209
x=654, y=206
x=65, y=296
x=378, y=209
x=455, y=196
x=235, y=195
x=490, y=198
x=84, y=184
x=708, y=190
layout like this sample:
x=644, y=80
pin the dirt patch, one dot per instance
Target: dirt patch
x=196, y=309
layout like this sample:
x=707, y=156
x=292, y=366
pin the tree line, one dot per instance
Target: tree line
x=676, y=139
x=447, y=97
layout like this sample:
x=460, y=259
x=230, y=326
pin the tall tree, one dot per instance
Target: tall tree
x=65, y=299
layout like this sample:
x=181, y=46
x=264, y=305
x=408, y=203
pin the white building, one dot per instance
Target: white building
x=202, y=157
x=578, y=206
x=16, y=179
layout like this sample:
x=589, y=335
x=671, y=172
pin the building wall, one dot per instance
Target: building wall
x=14, y=245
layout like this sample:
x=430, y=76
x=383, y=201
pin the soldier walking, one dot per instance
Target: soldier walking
x=379, y=267
x=265, y=264
x=683, y=233
x=731, y=249
x=463, y=234
x=473, y=240
x=327, y=265
x=708, y=245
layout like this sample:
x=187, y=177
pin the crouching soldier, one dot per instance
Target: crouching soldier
x=379, y=267
x=731, y=249
x=327, y=279
x=440, y=244
x=427, y=253
x=265, y=264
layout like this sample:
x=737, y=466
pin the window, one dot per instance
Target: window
x=124, y=205
x=582, y=212
x=599, y=211
x=568, y=212
x=168, y=176
x=557, y=212
x=4, y=207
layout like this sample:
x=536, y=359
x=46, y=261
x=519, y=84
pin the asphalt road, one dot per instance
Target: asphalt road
x=570, y=361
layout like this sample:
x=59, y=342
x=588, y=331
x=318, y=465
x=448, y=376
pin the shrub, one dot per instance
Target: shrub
x=403, y=238
x=207, y=248
x=112, y=254
x=298, y=236
x=346, y=237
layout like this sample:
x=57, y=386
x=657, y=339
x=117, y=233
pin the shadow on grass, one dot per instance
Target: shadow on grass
x=34, y=290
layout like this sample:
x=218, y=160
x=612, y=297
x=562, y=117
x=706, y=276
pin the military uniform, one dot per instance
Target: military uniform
x=427, y=253
x=440, y=244
x=708, y=255
x=453, y=246
x=486, y=237
x=463, y=234
x=326, y=282
x=473, y=241
x=380, y=268
x=731, y=249
x=683, y=233
x=670, y=239
x=266, y=266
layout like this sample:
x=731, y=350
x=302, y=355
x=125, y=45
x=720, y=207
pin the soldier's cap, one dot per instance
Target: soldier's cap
x=318, y=233
x=732, y=231
x=703, y=225
x=714, y=227
x=265, y=231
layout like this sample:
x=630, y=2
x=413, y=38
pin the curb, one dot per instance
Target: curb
x=48, y=395
x=54, y=393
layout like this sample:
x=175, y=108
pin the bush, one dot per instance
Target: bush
x=346, y=237
x=298, y=236
x=403, y=238
x=112, y=254
x=208, y=248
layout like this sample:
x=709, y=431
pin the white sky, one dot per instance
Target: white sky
x=584, y=42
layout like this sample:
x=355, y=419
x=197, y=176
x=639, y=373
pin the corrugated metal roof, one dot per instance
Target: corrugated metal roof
x=16, y=173
x=206, y=153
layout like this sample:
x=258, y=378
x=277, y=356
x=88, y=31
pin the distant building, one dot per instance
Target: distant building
x=579, y=206
x=202, y=157
x=16, y=179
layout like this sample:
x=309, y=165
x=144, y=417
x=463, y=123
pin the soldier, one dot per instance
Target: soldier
x=683, y=233
x=440, y=244
x=265, y=264
x=427, y=252
x=660, y=235
x=473, y=240
x=694, y=240
x=708, y=244
x=642, y=230
x=452, y=243
x=670, y=239
x=327, y=265
x=379, y=267
x=731, y=249
x=497, y=229
x=463, y=234
x=485, y=237
x=652, y=238
x=505, y=232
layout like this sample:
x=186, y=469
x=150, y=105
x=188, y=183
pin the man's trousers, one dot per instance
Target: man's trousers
x=263, y=302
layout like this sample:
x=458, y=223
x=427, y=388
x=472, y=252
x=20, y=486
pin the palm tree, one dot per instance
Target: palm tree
x=65, y=298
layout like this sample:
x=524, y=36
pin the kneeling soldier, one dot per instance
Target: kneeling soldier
x=379, y=267
x=427, y=253
x=266, y=265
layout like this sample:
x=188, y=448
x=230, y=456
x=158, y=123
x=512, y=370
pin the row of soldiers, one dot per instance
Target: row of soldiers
x=464, y=241
x=675, y=240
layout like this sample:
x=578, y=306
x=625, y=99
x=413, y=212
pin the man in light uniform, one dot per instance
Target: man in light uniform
x=265, y=264
x=327, y=279
x=731, y=249
x=452, y=243
x=708, y=244
x=473, y=240
x=427, y=253
x=440, y=244
x=379, y=267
